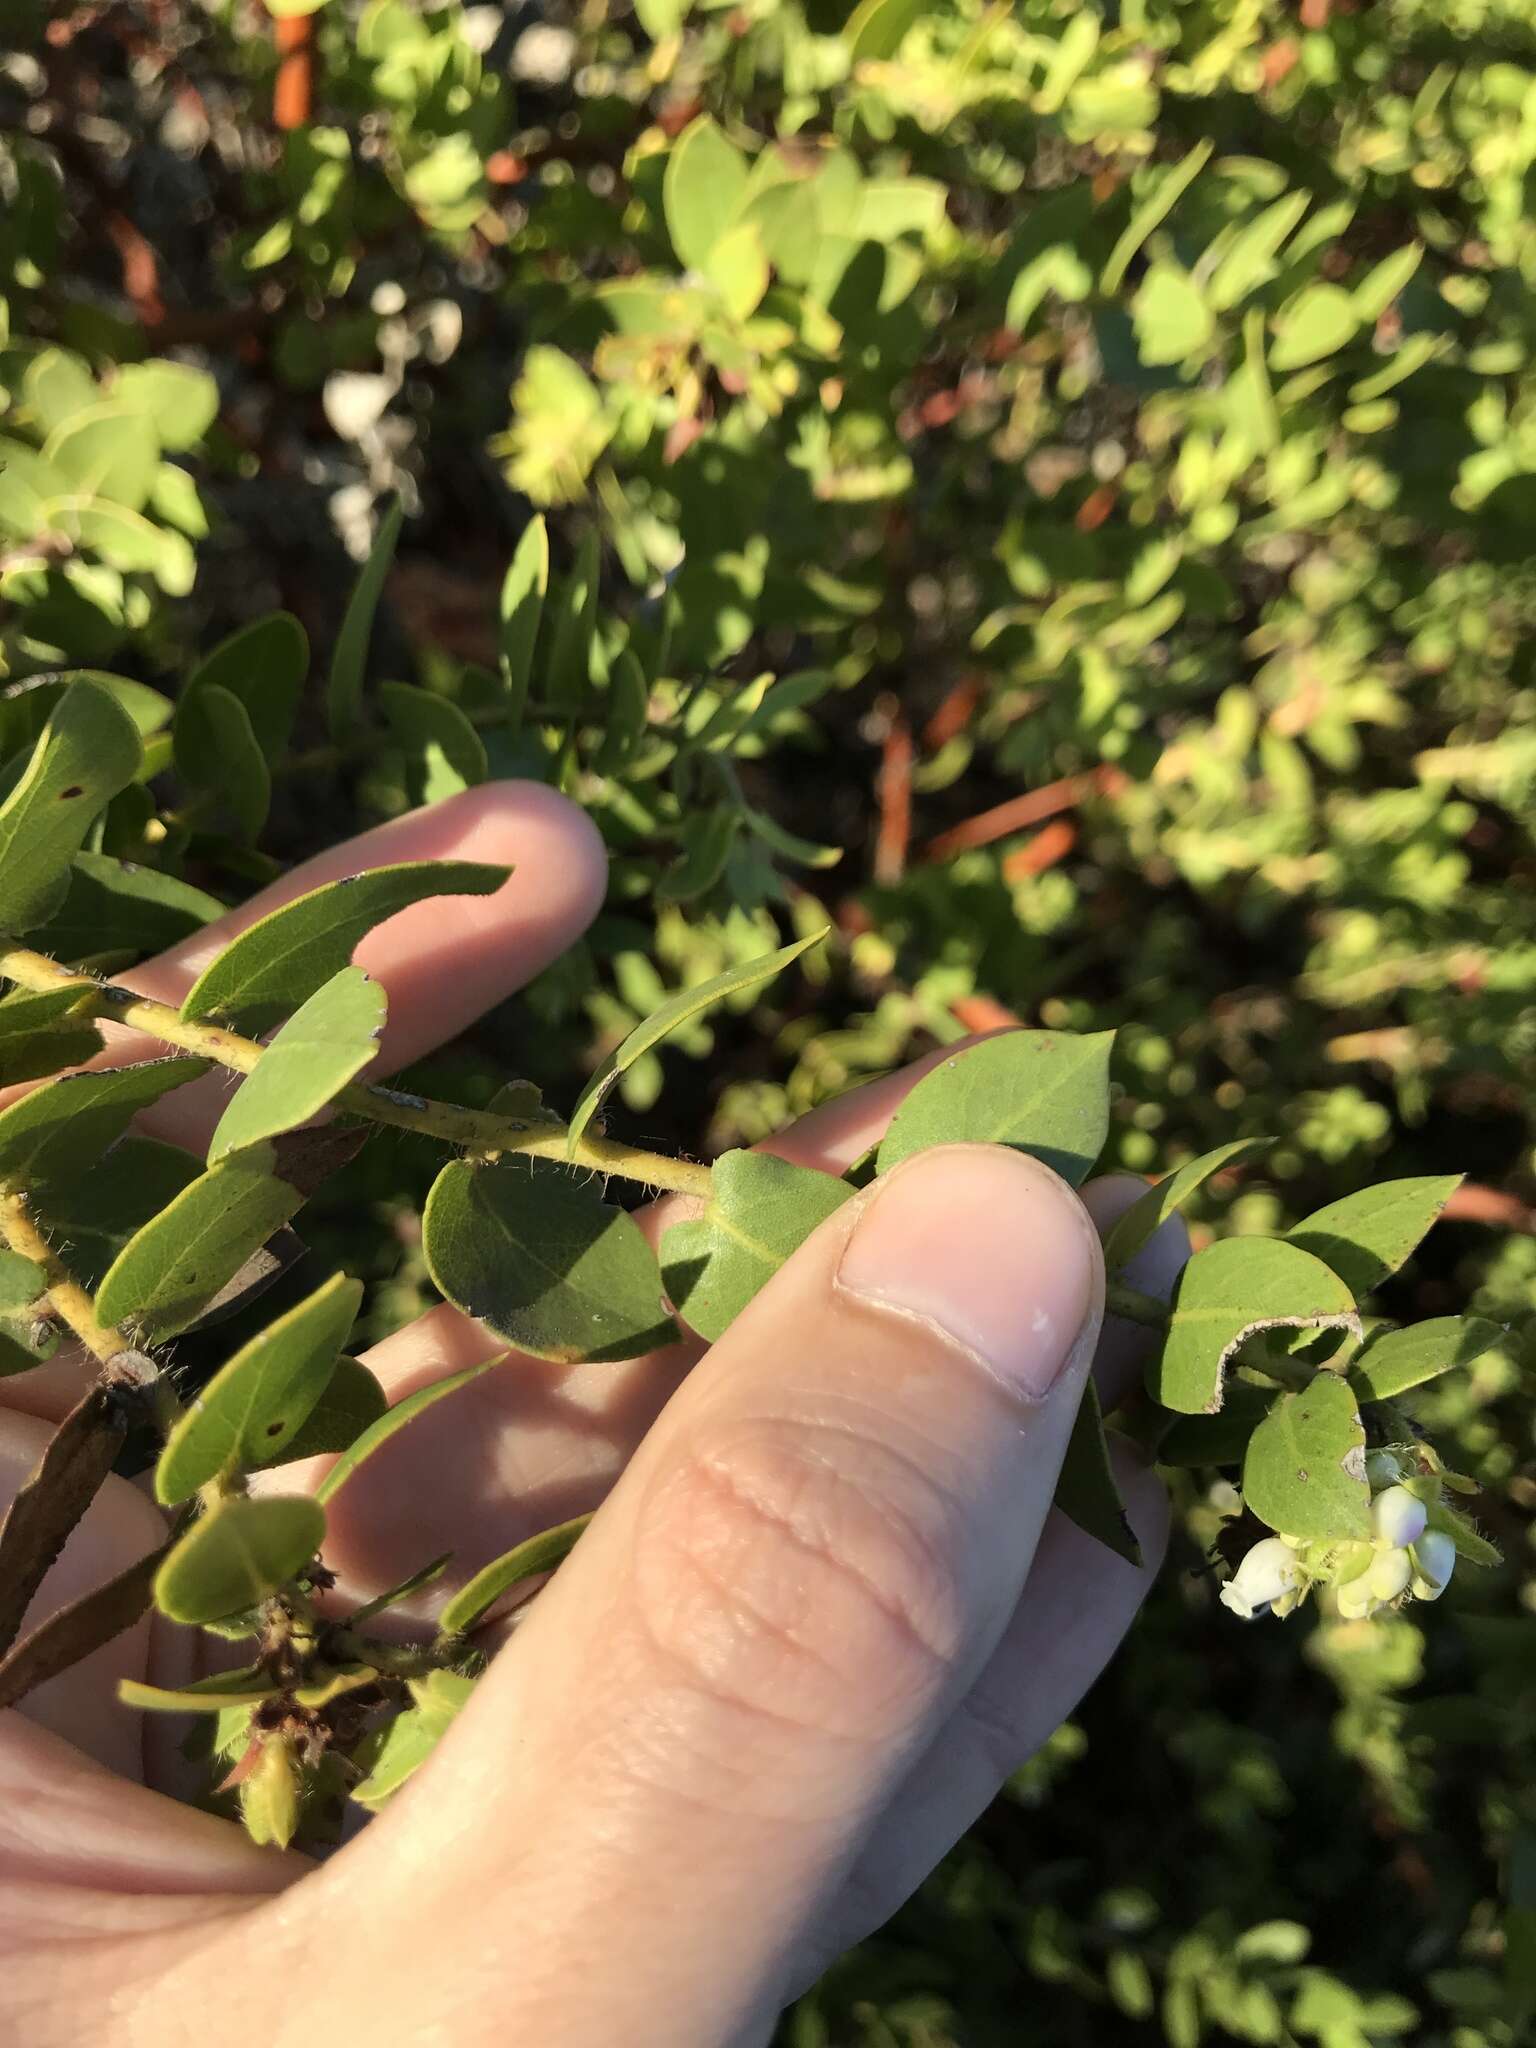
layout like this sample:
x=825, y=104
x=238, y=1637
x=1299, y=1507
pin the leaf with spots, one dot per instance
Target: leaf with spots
x=533, y=1251
x=85, y=754
x=254, y=1406
x=1367, y=1236
x=240, y=1553
x=1304, y=1473
x=325, y=1044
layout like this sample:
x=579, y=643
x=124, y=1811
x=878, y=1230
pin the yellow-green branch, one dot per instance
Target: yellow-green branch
x=473, y=1130
x=68, y=1298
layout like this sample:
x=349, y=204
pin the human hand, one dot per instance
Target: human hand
x=825, y=1608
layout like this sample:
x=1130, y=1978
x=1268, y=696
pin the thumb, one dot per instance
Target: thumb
x=680, y=1754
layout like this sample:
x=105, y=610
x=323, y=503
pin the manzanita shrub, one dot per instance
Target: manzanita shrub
x=1269, y=1361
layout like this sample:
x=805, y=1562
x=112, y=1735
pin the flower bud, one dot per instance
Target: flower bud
x=1388, y=1576
x=1382, y=1469
x=1398, y=1517
x=1356, y=1600
x=1271, y=1571
x=1434, y=1559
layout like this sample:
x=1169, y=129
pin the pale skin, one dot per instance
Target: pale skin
x=823, y=1611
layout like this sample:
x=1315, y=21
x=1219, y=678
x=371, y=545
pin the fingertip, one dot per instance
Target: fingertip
x=545, y=838
x=1157, y=1266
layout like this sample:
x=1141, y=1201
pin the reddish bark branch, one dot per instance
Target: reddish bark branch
x=294, y=90
x=894, y=839
x=1020, y=812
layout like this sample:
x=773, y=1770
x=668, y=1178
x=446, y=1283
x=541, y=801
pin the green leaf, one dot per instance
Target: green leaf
x=352, y=1402
x=92, y=1216
x=139, y=909
x=1204, y=1441
x=21, y=1282
x=876, y=29
x=1367, y=1236
x=1086, y=1492
x=528, y=1560
x=237, y=1555
x=523, y=592
x=678, y=1010
x=1317, y=323
x=760, y=1210
x=738, y=269
x=626, y=718
x=402, y=1746
x=1395, y=1360
x=1151, y=1211
x=344, y=691
x=39, y=1034
x=279, y=962
x=703, y=189
x=1171, y=315
x=392, y=1421
x=264, y=666
x=57, y=385
x=1376, y=292
x=176, y=1263
x=60, y=1132
x=533, y=1251
x=443, y=752
x=1249, y=261
x=182, y=403
x=1045, y=1092
x=1469, y=1541
x=245, y=1687
x=1305, y=1470
x=1150, y=215
x=707, y=839
x=573, y=625
x=131, y=543
x=1231, y=1290
x=88, y=751
x=106, y=451
x=255, y=1405
x=325, y=1044
x=217, y=751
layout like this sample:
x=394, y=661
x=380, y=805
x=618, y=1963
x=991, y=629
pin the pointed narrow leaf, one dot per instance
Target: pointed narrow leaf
x=279, y=962
x=760, y=1210
x=1376, y=291
x=1316, y=324
x=522, y=605
x=324, y=1045
x=352, y=1401
x=529, y=1560
x=679, y=1009
x=1045, y=1092
x=245, y=1687
x=344, y=691
x=170, y=1270
x=533, y=1251
x=403, y=1589
x=1305, y=1470
x=40, y=1035
x=573, y=623
x=1151, y=1211
x=1152, y=212
x=1367, y=1236
x=391, y=1422
x=1086, y=1492
x=237, y=1555
x=61, y=1131
x=1395, y=1360
x=86, y=753
x=1232, y=1289
x=254, y=1406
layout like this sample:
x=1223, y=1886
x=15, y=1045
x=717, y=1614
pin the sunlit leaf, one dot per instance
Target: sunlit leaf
x=325, y=1043
x=1230, y=1291
x=521, y=607
x=403, y=1745
x=88, y=751
x=760, y=1210
x=703, y=190
x=238, y=1554
x=1304, y=1473
x=1392, y=1361
x=1367, y=1236
x=255, y=1405
x=1045, y=1092
x=279, y=961
x=392, y=1421
x=678, y=1010
x=1151, y=1211
x=527, y=1560
x=443, y=752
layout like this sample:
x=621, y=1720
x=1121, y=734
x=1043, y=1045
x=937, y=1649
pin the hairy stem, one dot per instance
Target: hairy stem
x=475, y=1130
x=67, y=1297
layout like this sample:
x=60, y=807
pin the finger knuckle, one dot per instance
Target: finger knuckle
x=799, y=1576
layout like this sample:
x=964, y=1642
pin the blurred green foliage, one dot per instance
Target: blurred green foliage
x=936, y=405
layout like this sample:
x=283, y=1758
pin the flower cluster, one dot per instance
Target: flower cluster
x=1404, y=1557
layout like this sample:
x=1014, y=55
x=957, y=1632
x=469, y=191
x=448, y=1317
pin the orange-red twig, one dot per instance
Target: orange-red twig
x=983, y=1013
x=1049, y=845
x=294, y=90
x=953, y=715
x=895, y=792
x=1473, y=1203
x=1020, y=812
